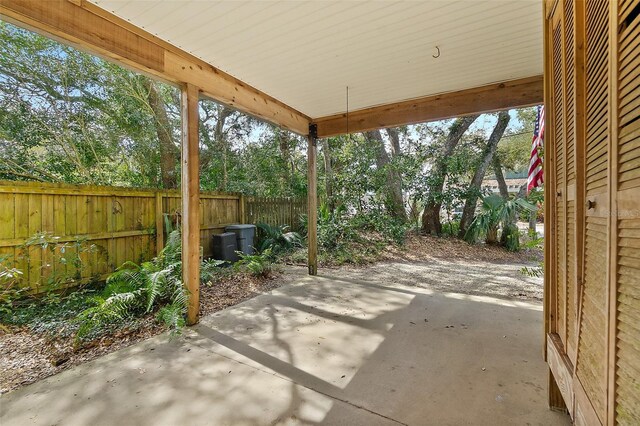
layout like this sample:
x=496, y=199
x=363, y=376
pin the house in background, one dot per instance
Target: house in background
x=514, y=180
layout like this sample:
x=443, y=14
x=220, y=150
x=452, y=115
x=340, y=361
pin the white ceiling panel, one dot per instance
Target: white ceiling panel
x=305, y=53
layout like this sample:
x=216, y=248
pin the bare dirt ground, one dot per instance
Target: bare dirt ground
x=449, y=265
x=446, y=265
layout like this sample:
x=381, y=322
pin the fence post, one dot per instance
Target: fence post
x=242, y=209
x=159, y=223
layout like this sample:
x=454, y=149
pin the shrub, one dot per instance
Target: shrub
x=451, y=228
x=497, y=212
x=511, y=237
x=276, y=238
x=354, y=238
x=388, y=227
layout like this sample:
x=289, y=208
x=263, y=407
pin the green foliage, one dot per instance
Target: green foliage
x=10, y=278
x=451, y=228
x=258, y=265
x=210, y=269
x=391, y=228
x=496, y=212
x=135, y=290
x=514, y=149
x=66, y=263
x=71, y=117
x=357, y=239
x=276, y=238
x=536, y=271
x=53, y=314
x=511, y=237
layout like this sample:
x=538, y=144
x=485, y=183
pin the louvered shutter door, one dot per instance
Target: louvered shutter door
x=592, y=345
x=627, y=377
x=571, y=211
x=559, y=173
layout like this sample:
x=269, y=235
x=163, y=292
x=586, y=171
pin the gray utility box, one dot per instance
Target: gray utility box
x=245, y=234
x=225, y=246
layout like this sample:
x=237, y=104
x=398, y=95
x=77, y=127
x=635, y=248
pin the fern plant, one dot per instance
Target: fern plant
x=258, y=265
x=135, y=290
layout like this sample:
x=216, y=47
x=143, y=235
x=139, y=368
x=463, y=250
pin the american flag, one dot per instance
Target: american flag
x=536, y=177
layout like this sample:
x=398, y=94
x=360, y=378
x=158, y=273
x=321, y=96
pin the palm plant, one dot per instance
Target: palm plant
x=496, y=213
x=276, y=238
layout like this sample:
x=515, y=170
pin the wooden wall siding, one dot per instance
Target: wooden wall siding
x=275, y=211
x=120, y=222
x=592, y=92
x=627, y=339
x=629, y=102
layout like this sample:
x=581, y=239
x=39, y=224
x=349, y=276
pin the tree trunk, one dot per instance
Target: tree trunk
x=431, y=214
x=468, y=212
x=221, y=140
x=502, y=184
x=533, y=220
x=393, y=192
x=168, y=149
x=328, y=174
x=394, y=137
x=285, y=153
x=395, y=176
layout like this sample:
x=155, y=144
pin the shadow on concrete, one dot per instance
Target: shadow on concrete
x=328, y=351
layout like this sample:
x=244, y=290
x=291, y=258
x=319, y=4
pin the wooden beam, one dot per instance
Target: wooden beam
x=190, y=184
x=92, y=29
x=312, y=195
x=493, y=97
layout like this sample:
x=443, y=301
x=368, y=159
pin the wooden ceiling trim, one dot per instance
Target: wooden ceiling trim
x=494, y=97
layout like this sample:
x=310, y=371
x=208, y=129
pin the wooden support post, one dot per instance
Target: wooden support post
x=549, y=197
x=190, y=201
x=242, y=209
x=312, y=195
x=159, y=223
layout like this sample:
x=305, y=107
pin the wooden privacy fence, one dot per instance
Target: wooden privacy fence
x=275, y=211
x=67, y=234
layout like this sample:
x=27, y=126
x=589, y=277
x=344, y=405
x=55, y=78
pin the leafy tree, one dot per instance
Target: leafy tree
x=68, y=116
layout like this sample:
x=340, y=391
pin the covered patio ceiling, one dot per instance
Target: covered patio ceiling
x=290, y=62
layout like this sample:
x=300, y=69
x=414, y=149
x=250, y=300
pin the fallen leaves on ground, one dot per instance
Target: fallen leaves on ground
x=26, y=356
x=424, y=247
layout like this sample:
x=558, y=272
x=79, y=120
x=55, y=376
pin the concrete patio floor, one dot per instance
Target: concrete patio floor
x=323, y=350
